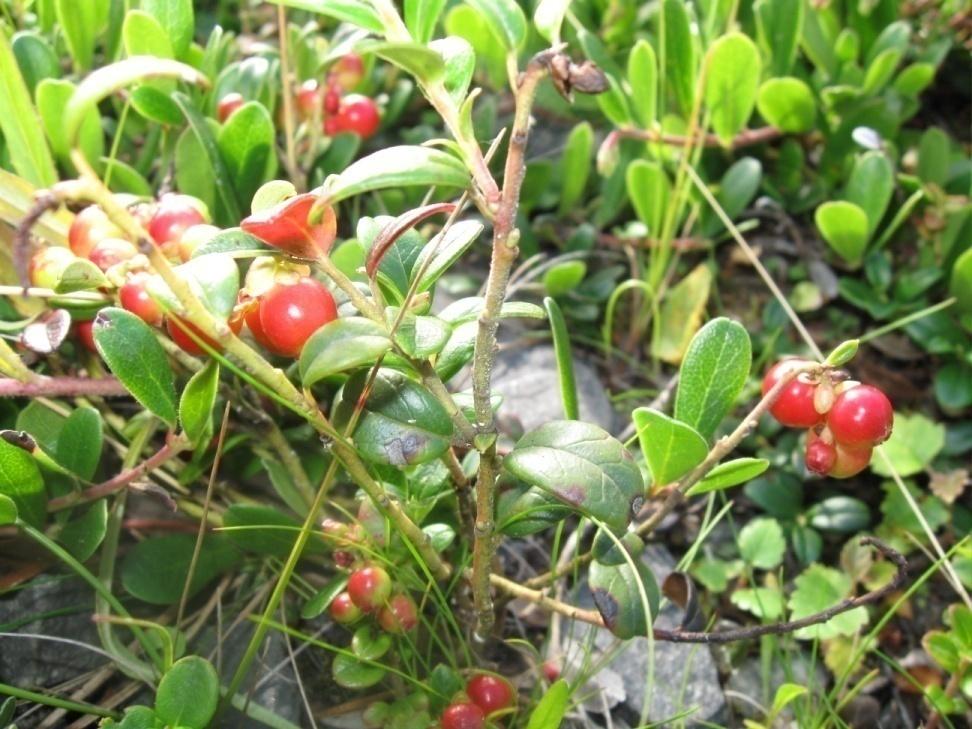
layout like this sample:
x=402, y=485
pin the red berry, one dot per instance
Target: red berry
x=179, y=329
x=821, y=456
x=861, y=416
x=794, y=406
x=332, y=100
x=490, y=693
x=173, y=215
x=551, y=670
x=111, y=251
x=347, y=71
x=134, y=297
x=334, y=125
x=399, y=616
x=86, y=335
x=228, y=104
x=47, y=265
x=463, y=715
x=359, y=115
x=343, y=610
x=369, y=588
x=88, y=227
x=308, y=98
x=291, y=313
x=285, y=226
x=850, y=461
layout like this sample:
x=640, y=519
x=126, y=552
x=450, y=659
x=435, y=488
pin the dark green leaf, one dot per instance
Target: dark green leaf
x=606, y=549
x=197, y=401
x=21, y=482
x=575, y=165
x=246, y=143
x=156, y=105
x=261, y=529
x=581, y=465
x=565, y=359
x=341, y=345
x=79, y=442
x=396, y=167
x=352, y=673
x=36, y=59
x=369, y=646
x=733, y=68
x=712, y=375
x=420, y=336
x=155, y=569
x=134, y=355
x=524, y=511
x=840, y=514
x=671, y=448
x=188, y=694
x=83, y=535
x=627, y=599
x=324, y=597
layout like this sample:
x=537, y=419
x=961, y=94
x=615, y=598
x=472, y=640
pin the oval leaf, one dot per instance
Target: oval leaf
x=728, y=474
x=671, y=448
x=844, y=226
x=188, y=693
x=341, y=345
x=196, y=404
x=733, y=67
x=617, y=591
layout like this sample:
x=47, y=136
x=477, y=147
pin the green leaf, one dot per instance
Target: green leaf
x=843, y=353
x=681, y=314
x=122, y=177
x=505, y=19
x=729, y=474
x=443, y=251
x=352, y=673
x=761, y=543
x=649, y=189
x=155, y=569
x=959, y=619
x=176, y=18
x=133, y=354
x=840, y=514
x=264, y=531
x=606, y=550
x=143, y=36
x=36, y=59
x=575, y=165
x=524, y=511
x=548, y=17
x=324, y=597
x=913, y=445
x=246, y=144
x=680, y=54
x=421, y=17
x=233, y=241
x=787, y=103
x=79, y=442
x=786, y=694
x=870, y=186
x=819, y=588
x=732, y=79
x=369, y=646
x=712, y=375
x=397, y=167
x=737, y=188
x=934, y=151
x=341, y=345
x=943, y=649
x=565, y=360
x=188, y=693
x=8, y=513
x=617, y=592
x=80, y=275
x=197, y=401
x=844, y=226
x=763, y=602
x=671, y=448
x=581, y=465
x=643, y=80
x=960, y=282
x=914, y=79
x=83, y=535
x=460, y=63
x=215, y=281
x=401, y=424
x=21, y=482
x=564, y=277
x=880, y=71
x=23, y=134
x=551, y=708
x=357, y=12
x=417, y=59
x=778, y=25
x=81, y=22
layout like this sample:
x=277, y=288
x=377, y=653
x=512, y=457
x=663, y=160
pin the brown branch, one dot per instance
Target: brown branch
x=44, y=200
x=62, y=387
x=724, y=636
x=172, y=448
x=746, y=138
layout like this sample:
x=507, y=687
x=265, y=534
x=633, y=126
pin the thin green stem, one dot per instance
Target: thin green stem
x=905, y=320
x=57, y=702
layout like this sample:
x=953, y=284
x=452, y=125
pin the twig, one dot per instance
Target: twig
x=62, y=387
x=745, y=138
x=288, y=97
x=44, y=200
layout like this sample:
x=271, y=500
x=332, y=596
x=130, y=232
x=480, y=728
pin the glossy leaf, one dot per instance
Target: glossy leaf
x=459, y=60
x=246, y=143
x=840, y=514
x=523, y=511
x=671, y=448
x=321, y=599
x=581, y=465
x=35, y=57
x=357, y=12
x=575, y=165
x=197, y=402
x=870, y=187
x=552, y=706
x=234, y=241
x=417, y=59
x=188, y=693
x=421, y=17
x=155, y=569
x=261, y=529
x=733, y=67
x=607, y=550
x=729, y=474
x=506, y=20
x=844, y=226
x=214, y=280
x=342, y=345
x=737, y=188
x=396, y=167
x=79, y=442
x=133, y=354
x=680, y=53
x=420, y=336
x=643, y=80
x=23, y=134
x=369, y=646
x=83, y=535
x=443, y=251
x=564, y=277
x=787, y=103
x=712, y=375
x=8, y=515
x=620, y=594
x=176, y=19
x=21, y=482
x=352, y=673
x=402, y=424
x=649, y=190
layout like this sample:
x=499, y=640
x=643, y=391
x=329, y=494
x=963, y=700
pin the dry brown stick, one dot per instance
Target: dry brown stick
x=62, y=387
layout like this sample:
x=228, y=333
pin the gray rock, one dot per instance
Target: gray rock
x=526, y=377
x=745, y=690
x=685, y=676
x=64, y=608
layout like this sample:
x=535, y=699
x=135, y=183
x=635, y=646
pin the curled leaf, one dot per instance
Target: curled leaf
x=286, y=226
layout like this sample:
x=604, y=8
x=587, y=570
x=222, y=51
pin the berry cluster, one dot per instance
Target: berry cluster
x=486, y=695
x=844, y=420
x=341, y=112
x=370, y=591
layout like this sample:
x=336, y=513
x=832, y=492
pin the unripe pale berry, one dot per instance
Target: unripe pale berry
x=109, y=252
x=343, y=610
x=88, y=227
x=399, y=616
x=47, y=265
x=369, y=588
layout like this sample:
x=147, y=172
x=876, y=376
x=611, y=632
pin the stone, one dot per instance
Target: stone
x=686, y=679
x=744, y=689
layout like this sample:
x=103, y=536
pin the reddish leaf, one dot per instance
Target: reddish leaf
x=394, y=230
x=285, y=226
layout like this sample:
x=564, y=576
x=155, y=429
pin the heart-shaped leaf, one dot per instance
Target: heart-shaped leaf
x=188, y=693
x=671, y=448
x=133, y=354
x=733, y=67
x=712, y=375
x=341, y=345
x=621, y=594
x=581, y=465
x=844, y=226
